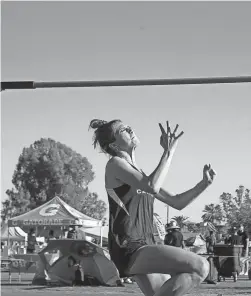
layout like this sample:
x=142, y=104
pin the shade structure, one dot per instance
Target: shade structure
x=54, y=213
x=94, y=260
x=196, y=244
x=15, y=233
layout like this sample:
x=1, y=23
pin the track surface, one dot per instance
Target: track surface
x=241, y=288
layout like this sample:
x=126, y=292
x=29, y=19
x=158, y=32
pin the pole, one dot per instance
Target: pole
x=111, y=83
x=8, y=242
x=101, y=236
x=167, y=214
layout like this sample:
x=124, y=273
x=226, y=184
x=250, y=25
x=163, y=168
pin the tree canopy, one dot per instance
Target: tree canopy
x=212, y=213
x=232, y=209
x=48, y=168
x=237, y=209
x=180, y=220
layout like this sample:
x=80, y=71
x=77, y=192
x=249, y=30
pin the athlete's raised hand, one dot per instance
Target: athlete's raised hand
x=169, y=139
x=208, y=174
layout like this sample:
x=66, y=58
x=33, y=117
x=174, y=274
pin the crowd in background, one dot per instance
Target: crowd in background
x=174, y=237
x=236, y=237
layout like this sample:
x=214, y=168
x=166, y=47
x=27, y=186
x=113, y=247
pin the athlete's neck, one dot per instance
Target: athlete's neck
x=129, y=157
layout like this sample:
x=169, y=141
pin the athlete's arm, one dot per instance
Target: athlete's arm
x=168, y=141
x=180, y=201
x=124, y=172
x=121, y=170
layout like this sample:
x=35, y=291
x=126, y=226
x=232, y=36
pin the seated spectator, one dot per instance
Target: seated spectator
x=77, y=271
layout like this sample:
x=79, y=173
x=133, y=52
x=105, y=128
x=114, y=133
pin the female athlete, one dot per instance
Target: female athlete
x=131, y=195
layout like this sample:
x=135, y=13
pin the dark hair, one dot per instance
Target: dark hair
x=73, y=259
x=104, y=134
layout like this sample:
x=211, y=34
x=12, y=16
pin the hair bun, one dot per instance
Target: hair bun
x=97, y=123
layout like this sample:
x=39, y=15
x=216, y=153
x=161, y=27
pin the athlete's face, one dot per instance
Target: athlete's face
x=125, y=137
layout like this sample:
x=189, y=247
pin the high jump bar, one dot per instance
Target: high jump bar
x=11, y=85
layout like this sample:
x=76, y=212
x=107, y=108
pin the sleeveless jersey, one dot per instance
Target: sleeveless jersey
x=130, y=223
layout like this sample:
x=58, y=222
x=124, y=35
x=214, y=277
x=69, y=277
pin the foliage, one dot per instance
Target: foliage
x=87, y=203
x=180, y=220
x=48, y=168
x=212, y=213
x=237, y=209
x=193, y=227
x=232, y=209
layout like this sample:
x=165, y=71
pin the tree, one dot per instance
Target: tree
x=213, y=213
x=237, y=209
x=16, y=204
x=93, y=207
x=193, y=227
x=48, y=168
x=180, y=220
x=87, y=203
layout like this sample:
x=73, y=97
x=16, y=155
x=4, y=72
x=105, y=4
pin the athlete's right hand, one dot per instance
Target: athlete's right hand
x=168, y=139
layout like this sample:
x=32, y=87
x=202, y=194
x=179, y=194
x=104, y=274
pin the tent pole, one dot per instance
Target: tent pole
x=101, y=233
x=8, y=243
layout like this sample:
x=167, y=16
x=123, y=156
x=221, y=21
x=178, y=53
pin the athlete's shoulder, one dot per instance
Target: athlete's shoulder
x=115, y=161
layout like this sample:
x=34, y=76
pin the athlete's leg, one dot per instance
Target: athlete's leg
x=149, y=284
x=186, y=268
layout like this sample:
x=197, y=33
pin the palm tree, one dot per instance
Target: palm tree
x=180, y=220
x=213, y=213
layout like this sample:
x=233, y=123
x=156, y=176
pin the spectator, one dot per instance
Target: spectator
x=174, y=237
x=15, y=248
x=227, y=239
x=245, y=242
x=210, y=242
x=76, y=233
x=76, y=270
x=235, y=238
x=51, y=235
x=31, y=242
x=80, y=234
x=72, y=232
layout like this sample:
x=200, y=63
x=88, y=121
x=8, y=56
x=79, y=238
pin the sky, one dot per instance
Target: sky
x=64, y=41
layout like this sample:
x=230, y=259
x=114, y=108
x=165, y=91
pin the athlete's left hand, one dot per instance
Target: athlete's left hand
x=208, y=174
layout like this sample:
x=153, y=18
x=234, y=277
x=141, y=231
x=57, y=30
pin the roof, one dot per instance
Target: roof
x=55, y=212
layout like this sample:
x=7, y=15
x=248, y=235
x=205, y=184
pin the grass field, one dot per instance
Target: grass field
x=240, y=288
